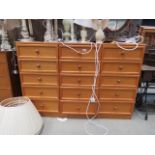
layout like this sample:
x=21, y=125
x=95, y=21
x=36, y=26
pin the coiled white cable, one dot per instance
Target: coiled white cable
x=97, y=70
x=79, y=52
x=127, y=49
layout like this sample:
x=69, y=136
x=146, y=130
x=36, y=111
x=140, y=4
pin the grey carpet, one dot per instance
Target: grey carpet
x=135, y=126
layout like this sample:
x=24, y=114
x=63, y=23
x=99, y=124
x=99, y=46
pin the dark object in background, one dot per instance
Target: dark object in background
x=15, y=80
x=38, y=29
x=148, y=22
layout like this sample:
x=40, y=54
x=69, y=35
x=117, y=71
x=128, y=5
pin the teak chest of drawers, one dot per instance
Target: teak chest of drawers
x=59, y=80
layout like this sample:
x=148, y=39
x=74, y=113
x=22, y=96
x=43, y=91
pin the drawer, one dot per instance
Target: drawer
x=3, y=69
x=37, y=52
x=67, y=53
x=46, y=105
x=75, y=93
x=4, y=82
x=115, y=107
x=122, y=94
x=117, y=53
x=2, y=57
x=76, y=107
x=5, y=93
x=72, y=80
x=43, y=66
x=40, y=92
x=125, y=81
x=77, y=67
x=130, y=68
x=39, y=79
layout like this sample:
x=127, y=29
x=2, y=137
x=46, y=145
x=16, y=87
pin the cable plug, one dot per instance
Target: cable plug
x=92, y=99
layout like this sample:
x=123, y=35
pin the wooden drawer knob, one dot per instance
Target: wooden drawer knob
x=122, y=53
x=41, y=92
x=41, y=105
x=78, y=108
x=79, y=54
x=120, y=68
x=38, y=66
x=115, y=108
x=79, y=95
x=118, y=81
x=116, y=95
x=79, y=81
x=39, y=79
x=79, y=67
x=37, y=51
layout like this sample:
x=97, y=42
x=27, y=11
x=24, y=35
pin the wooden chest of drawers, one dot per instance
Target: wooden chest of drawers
x=9, y=84
x=59, y=80
x=38, y=65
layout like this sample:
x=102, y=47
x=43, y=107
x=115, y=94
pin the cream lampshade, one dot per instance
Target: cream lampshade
x=18, y=116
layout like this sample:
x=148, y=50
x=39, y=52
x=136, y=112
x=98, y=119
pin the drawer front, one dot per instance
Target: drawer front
x=40, y=79
x=126, y=94
x=117, y=53
x=112, y=107
x=118, y=81
x=38, y=66
x=46, y=105
x=2, y=57
x=67, y=53
x=3, y=69
x=131, y=68
x=76, y=80
x=38, y=52
x=75, y=93
x=77, y=108
x=4, y=82
x=40, y=92
x=5, y=93
x=77, y=67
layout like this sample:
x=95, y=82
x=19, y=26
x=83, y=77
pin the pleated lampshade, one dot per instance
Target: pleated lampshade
x=18, y=116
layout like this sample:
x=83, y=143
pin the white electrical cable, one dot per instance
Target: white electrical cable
x=90, y=120
x=127, y=49
x=97, y=70
x=79, y=52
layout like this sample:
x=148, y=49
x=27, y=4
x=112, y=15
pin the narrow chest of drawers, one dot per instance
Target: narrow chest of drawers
x=120, y=73
x=77, y=69
x=38, y=65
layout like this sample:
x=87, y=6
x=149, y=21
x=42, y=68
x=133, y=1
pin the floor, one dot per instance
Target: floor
x=69, y=126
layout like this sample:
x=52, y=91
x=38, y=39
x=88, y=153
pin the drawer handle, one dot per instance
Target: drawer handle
x=79, y=67
x=41, y=105
x=79, y=95
x=78, y=108
x=116, y=94
x=39, y=79
x=118, y=81
x=38, y=66
x=41, y=92
x=79, y=81
x=122, y=53
x=37, y=51
x=120, y=67
x=115, y=108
